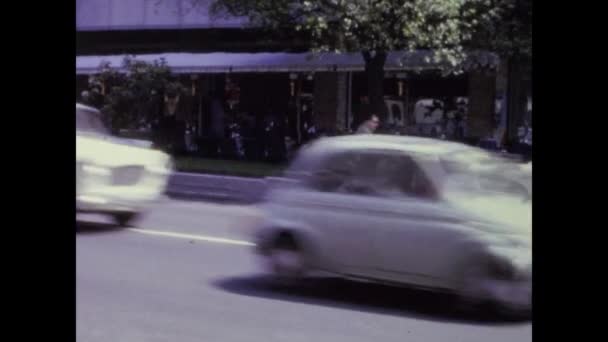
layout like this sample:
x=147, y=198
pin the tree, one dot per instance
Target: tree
x=372, y=27
x=507, y=31
x=132, y=99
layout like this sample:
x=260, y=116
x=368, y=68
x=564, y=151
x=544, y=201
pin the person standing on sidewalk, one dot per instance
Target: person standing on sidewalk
x=369, y=126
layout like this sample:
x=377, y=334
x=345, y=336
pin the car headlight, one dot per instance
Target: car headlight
x=502, y=268
x=96, y=170
x=511, y=264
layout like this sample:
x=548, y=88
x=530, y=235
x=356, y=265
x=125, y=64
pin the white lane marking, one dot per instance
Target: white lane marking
x=193, y=237
x=244, y=209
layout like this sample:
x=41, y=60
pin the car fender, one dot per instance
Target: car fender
x=305, y=235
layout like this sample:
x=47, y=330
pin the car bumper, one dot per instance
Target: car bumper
x=116, y=201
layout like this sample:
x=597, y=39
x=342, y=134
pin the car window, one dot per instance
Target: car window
x=488, y=177
x=372, y=173
x=90, y=122
x=493, y=184
x=333, y=172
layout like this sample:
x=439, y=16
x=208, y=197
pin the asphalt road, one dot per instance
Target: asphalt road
x=186, y=273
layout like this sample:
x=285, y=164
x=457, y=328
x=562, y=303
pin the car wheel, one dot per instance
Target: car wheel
x=286, y=260
x=479, y=293
x=513, y=313
x=123, y=219
x=473, y=292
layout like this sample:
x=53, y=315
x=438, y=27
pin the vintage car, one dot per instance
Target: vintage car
x=403, y=210
x=114, y=176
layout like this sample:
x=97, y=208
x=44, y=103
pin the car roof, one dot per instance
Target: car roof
x=390, y=142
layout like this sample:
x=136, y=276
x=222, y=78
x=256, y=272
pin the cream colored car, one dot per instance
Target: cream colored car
x=118, y=177
x=403, y=210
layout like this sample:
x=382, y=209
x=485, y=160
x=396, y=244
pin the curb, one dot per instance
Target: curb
x=193, y=186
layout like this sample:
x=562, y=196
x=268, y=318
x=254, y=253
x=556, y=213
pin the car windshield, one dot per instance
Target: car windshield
x=89, y=121
x=478, y=173
x=303, y=164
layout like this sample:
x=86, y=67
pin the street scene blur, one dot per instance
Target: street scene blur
x=287, y=170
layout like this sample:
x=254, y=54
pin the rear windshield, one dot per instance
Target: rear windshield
x=480, y=173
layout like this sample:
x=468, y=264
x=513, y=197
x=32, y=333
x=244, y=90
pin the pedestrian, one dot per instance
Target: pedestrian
x=369, y=126
x=361, y=111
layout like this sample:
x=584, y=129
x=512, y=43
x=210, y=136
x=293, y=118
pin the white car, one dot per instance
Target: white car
x=118, y=177
x=403, y=210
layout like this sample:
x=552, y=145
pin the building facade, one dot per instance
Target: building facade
x=268, y=81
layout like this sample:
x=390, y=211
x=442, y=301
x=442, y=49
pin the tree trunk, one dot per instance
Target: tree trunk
x=482, y=95
x=516, y=99
x=325, y=96
x=374, y=71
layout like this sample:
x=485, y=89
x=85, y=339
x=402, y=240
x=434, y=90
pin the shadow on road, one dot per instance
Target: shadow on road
x=367, y=297
x=211, y=199
x=83, y=227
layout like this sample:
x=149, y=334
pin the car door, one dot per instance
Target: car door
x=419, y=242
x=339, y=201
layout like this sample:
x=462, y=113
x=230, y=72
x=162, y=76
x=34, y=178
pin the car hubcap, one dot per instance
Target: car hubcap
x=286, y=262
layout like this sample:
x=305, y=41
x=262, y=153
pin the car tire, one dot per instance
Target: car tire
x=471, y=292
x=124, y=219
x=476, y=295
x=286, y=260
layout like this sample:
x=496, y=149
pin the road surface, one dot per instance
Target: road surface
x=185, y=273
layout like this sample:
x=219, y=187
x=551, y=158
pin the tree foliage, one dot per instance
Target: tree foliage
x=506, y=29
x=366, y=25
x=372, y=27
x=455, y=30
x=131, y=99
x=451, y=28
